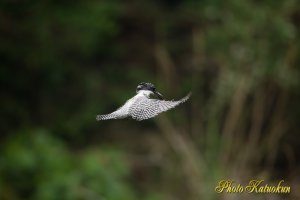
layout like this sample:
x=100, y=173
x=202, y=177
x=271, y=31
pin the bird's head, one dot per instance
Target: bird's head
x=148, y=87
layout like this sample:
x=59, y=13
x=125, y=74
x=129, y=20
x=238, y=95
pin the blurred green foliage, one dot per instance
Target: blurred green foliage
x=35, y=165
x=62, y=63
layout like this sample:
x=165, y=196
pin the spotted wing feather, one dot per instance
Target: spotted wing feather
x=120, y=113
x=145, y=108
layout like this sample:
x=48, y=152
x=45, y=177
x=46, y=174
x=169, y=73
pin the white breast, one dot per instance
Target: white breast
x=146, y=93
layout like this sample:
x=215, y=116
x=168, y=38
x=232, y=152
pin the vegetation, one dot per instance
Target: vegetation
x=63, y=63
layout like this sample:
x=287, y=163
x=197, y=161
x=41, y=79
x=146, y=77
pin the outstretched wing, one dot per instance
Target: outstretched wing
x=120, y=113
x=145, y=108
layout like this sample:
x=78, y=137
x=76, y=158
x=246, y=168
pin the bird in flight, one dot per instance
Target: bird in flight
x=141, y=106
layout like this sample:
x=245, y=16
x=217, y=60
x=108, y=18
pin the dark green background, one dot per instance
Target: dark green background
x=64, y=62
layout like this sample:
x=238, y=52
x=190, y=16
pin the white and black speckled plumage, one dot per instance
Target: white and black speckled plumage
x=142, y=107
x=145, y=108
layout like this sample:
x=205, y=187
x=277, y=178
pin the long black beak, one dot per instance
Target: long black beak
x=159, y=95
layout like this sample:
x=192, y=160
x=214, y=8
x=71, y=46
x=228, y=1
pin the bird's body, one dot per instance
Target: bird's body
x=141, y=106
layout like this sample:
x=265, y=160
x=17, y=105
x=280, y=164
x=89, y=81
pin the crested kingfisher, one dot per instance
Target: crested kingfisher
x=141, y=106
